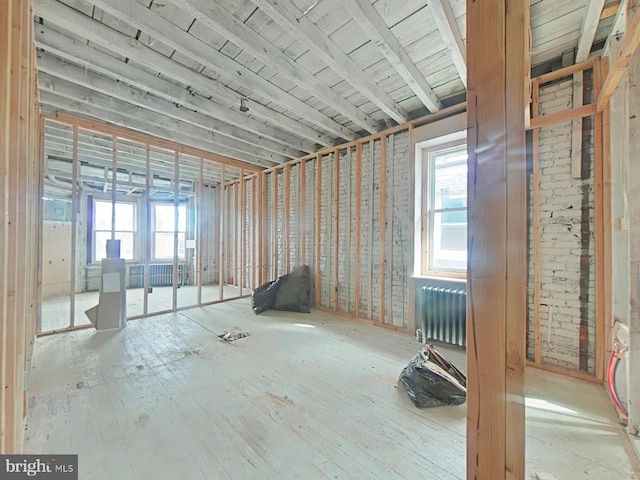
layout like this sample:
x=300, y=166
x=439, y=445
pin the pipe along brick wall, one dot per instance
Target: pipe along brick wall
x=338, y=260
x=567, y=240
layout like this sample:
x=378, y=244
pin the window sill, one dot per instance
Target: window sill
x=441, y=278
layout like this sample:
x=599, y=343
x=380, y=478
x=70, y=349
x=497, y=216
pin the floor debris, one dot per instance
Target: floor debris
x=233, y=335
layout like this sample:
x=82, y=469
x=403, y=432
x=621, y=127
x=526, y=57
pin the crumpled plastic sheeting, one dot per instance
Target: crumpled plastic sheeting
x=289, y=292
x=431, y=381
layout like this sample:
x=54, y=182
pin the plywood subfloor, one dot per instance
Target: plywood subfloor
x=304, y=396
x=56, y=310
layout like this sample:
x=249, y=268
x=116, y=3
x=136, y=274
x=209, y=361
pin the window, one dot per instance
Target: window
x=125, y=228
x=447, y=209
x=164, y=229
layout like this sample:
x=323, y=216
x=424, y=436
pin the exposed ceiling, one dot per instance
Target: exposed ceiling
x=313, y=72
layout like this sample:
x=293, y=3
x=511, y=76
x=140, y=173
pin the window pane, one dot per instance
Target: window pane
x=164, y=218
x=163, y=245
x=450, y=241
x=100, y=247
x=102, y=216
x=182, y=218
x=126, y=244
x=125, y=217
x=450, y=179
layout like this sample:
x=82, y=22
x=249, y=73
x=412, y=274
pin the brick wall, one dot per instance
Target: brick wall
x=369, y=246
x=567, y=266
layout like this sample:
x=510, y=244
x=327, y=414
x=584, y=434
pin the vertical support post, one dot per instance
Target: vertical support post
x=176, y=225
x=74, y=226
x=599, y=228
x=228, y=240
x=236, y=230
x=318, y=225
x=383, y=216
x=535, y=197
x=255, y=219
x=287, y=217
x=221, y=240
x=302, y=217
x=200, y=230
x=497, y=280
x=358, y=207
x=372, y=171
x=147, y=230
x=411, y=297
x=336, y=201
x=263, y=229
x=114, y=185
x=243, y=219
x=607, y=238
x=274, y=225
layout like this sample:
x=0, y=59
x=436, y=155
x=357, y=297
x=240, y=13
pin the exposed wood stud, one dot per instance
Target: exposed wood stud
x=383, y=219
x=221, y=233
x=287, y=218
x=318, y=224
x=274, y=225
x=336, y=213
x=357, y=221
x=176, y=223
x=610, y=9
x=607, y=238
x=535, y=198
x=590, y=23
x=302, y=220
x=411, y=320
x=562, y=116
x=147, y=228
x=264, y=260
x=74, y=226
x=599, y=232
x=200, y=212
x=242, y=218
x=371, y=233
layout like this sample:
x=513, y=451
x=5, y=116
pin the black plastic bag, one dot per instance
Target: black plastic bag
x=431, y=381
x=289, y=293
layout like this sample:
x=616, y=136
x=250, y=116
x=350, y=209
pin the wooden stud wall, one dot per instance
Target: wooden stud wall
x=602, y=204
x=20, y=172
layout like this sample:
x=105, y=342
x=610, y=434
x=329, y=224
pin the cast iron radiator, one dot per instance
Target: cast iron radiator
x=444, y=315
x=160, y=275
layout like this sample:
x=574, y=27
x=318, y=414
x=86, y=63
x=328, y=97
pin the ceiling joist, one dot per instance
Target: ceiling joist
x=220, y=20
x=446, y=22
x=148, y=21
x=375, y=27
x=120, y=44
x=589, y=28
x=290, y=18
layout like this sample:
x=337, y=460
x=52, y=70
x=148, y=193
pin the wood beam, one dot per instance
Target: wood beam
x=618, y=28
x=610, y=9
x=562, y=116
x=446, y=23
x=318, y=225
x=590, y=23
x=290, y=18
x=218, y=19
x=497, y=276
x=628, y=48
x=56, y=68
x=375, y=27
x=357, y=221
x=120, y=44
x=65, y=95
x=145, y=19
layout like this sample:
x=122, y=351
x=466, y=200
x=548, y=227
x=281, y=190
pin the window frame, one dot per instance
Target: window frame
x=94, y=245
x=431, y=155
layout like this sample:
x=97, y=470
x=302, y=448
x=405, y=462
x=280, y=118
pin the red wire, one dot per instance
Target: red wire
x=610, y=381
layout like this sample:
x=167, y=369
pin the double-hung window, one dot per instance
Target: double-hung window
x=125, y=228
x=164, y=228
x=446, y=209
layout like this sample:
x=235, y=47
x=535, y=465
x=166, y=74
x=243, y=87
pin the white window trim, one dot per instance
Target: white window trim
x=153, y=231
x=135, y=231
x=421, y=260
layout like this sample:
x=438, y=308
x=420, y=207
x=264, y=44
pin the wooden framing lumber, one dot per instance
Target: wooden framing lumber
x=302, y=218
x=274, y=225
x=318, y=225
x=383, y=219
x=628, y=48
x=200, y=233
x=336, y=213
x=242, y=218
x=565, y=72
x=562, y=116
x=497, y=280
x=147, y=229
x=446, y=22
x=371, y=162
x=264, y=261
x=287, y=218
x=176, y=223
x=599, y=232
x=357, y=221
x=411, y=320
x=607, y=236
x=74, y=225
x=610, y=9
x=535, y=198
x=221, y=231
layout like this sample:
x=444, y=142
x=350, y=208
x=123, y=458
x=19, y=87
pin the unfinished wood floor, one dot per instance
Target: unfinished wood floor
x=304, y=396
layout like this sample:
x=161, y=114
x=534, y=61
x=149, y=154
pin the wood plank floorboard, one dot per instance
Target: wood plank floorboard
x=305, y=396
